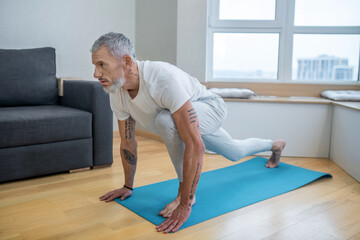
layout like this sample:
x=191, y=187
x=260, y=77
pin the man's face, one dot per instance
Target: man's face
x=108, y=70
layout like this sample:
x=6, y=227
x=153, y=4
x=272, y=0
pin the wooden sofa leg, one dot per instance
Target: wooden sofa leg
x=79, y=170
x=102, y=166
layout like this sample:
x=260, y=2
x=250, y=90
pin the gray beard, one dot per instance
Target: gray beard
x=118, y=83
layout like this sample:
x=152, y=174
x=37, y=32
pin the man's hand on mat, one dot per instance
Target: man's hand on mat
x=121, y=192
x=177, y=219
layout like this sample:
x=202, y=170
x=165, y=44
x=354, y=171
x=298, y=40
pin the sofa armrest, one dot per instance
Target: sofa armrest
x=90, y=96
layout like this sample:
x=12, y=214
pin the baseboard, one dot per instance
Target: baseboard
x=102, y=166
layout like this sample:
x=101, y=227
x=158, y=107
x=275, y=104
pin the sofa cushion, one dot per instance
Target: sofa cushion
x=27, y=77
x=30, y=125
x=36, y=160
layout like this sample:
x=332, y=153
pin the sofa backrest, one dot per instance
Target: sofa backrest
x=28, y=77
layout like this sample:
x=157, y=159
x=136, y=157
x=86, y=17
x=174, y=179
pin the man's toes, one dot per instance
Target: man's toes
x=167, y=215
x=163, y=212
x=270, y=164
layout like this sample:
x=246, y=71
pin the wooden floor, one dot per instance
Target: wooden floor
x=66, y=206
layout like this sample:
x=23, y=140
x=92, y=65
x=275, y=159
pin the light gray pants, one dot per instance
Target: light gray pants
x=211, y=113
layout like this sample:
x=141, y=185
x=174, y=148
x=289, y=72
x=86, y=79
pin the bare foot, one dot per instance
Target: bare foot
x=276, y=149
x=169, y=209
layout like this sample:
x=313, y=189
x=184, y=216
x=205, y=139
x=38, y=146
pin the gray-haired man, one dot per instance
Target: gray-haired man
x=171, y=103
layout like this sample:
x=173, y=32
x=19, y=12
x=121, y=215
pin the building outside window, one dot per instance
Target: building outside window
x=324, y=67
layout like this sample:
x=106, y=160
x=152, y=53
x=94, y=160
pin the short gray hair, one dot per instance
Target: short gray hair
x=118, y=44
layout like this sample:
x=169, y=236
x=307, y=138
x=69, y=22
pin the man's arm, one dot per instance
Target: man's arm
x=128, y=152
x=188, y=126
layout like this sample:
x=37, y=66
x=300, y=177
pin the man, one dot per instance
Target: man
x=171, y=103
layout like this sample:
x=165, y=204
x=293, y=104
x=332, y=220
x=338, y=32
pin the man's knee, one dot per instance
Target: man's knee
x=164, y=121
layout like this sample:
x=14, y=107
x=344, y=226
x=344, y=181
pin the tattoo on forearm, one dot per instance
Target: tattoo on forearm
x=192, y=115
x=129, y=157
x=129, y=128
x=195, y=181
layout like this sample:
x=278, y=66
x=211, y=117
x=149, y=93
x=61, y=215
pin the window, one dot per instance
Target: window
x=283, y=41
x=325, y=57
x=245, y=55
x=327, y=13
x=247, y=10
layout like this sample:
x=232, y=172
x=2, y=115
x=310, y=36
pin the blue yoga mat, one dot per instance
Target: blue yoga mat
x=241, y=185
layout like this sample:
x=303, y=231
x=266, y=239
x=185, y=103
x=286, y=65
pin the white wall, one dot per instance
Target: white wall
x=345, y=140
x=156, y=27
x=155, y=30
x=191, y=37
x=173, y=31
x=70, y=26
x=306, y=127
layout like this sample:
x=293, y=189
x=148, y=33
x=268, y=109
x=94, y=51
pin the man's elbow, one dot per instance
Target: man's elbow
x=201, y=147
x=197, y=147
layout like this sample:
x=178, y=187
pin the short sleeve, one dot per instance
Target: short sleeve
x=173, y=92
x=117, y=109
x=121, y=115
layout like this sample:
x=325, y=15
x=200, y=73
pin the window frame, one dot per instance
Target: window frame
x=282, y=25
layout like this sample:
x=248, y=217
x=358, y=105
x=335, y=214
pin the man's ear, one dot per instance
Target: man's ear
x=128, y=62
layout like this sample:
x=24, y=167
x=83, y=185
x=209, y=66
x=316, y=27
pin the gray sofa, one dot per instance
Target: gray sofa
x=42, y=133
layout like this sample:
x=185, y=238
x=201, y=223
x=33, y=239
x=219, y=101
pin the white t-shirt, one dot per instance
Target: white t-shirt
x=162, y=86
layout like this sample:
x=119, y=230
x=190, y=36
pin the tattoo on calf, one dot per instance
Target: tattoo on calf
x=129, y=157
